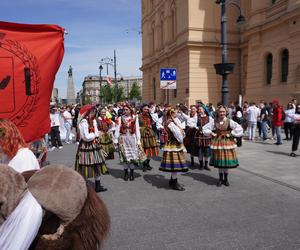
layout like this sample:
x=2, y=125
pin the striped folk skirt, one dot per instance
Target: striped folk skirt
x=89, y=159
x=173, y=159
x=107, y=145
x=149, y=142
x=223, y=154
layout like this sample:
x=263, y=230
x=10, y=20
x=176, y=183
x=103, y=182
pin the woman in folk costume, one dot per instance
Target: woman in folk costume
x=105, y=127
x=173, y=160
x=127, y=134
x=202, y=142
x=223, y=130
x=148, y=137
x=190, y=130
x=89, y=157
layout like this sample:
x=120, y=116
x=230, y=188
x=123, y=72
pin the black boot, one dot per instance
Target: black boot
x=220, y=181
x=131, y=178
x=145, y=166
x=201, y=165
x=125, y=174
x=206, y=166
x=171, y=181
x=192, y=161
x=176, y=186
x=98, y=187
x=148, y=164
x=226, y=182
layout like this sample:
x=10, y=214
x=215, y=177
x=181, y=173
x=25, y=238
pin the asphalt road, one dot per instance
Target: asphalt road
x=260, y=209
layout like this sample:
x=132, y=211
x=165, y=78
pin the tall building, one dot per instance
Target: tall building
x=70, y=90
x=186, y=35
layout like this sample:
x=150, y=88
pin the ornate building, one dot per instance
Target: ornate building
x=91, y=89
x=186, y=35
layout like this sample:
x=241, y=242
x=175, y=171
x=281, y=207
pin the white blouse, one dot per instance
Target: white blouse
x=84, y=131
x=176, y=130
x=236, y=129
x=24, y=160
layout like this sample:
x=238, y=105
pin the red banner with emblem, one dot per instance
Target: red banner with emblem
x=30, y=56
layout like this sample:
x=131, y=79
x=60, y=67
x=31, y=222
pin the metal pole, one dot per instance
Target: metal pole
x=115, y=66
x=100, y=69
x=225, y=88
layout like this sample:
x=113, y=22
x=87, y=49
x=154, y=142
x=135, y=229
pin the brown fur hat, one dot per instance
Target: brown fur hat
x=12, y=190
x=59, y=190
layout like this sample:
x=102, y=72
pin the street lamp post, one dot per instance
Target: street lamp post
x=100, y=79
x=226, y=68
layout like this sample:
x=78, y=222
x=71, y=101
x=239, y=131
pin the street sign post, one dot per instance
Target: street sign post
x=168, y=78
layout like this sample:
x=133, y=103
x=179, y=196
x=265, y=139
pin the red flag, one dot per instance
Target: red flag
x=30, y=56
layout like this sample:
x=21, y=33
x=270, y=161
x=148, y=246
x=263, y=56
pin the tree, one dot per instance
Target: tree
x=107, y=93
x=87, y=100
x=118, y=93
x=135, y=92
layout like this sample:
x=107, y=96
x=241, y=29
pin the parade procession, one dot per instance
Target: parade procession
x=149, y=124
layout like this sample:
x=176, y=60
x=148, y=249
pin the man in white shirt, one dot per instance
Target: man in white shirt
x=67, y=123
x=55, y=134
x=253, y=114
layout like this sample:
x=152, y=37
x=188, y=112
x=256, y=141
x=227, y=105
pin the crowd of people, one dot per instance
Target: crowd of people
x=138, y=132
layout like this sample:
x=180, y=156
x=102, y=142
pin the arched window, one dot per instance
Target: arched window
x=153, y=37
x=173, y=23
x=162, y=31
x=269, y=66
x=284, y=65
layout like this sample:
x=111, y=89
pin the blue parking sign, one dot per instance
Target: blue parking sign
x=168, y=78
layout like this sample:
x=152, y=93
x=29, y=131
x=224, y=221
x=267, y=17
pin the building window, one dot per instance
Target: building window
x=153, y=37
x=269, y=66
x=173, y=24
x=162, y=31
x=284, y=65
x=154, y=89
x=175, y=93
x=274, y=1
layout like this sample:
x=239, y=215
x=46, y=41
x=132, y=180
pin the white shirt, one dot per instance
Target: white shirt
x=253, y=113
x=68, y=117
x=289, y=112
x=84, y=131
x=54, y=118
x=24, y=160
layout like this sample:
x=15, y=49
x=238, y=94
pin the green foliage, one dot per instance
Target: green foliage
x=87, y=100
x=112, y=94
x=135, y=92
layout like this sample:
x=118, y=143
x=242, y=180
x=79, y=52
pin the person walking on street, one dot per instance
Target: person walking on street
x=296, y=130
x=288, y=122
x=264, y=118
x=277, y=121
x=253, y=114
x=55, y=134
x=68, y=123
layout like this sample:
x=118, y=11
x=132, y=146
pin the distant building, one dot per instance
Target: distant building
x=127, y=82
x=79, y=97
x=91, y=89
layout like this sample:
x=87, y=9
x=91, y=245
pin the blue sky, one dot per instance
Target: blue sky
x=95, y=28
